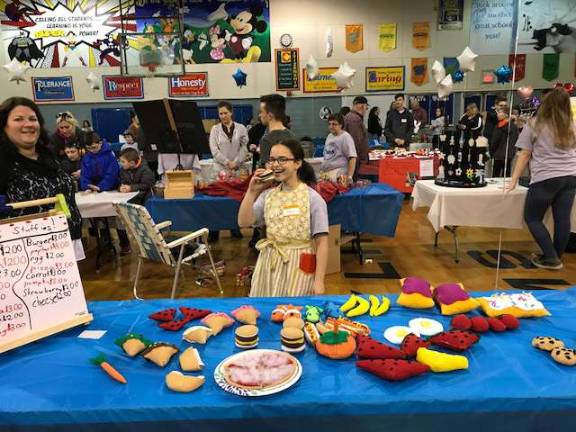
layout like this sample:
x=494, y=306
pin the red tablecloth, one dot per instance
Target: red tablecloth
x=396, y=172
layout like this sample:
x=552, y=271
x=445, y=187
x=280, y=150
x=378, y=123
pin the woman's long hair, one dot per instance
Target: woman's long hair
x=6, y=108
x=305, y=173
x=373, y=113
x=556, y=114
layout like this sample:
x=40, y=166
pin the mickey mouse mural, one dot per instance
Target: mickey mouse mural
x=245, y=23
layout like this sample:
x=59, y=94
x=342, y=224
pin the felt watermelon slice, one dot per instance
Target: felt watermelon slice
x=393, y=370
x=164, y=315
x=411, y=343
x=174, y=325
x=455, y=340
x=372, y=349
x=193, y=314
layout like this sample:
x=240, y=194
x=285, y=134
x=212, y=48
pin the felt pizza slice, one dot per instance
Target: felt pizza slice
x=372, y=349
x=393, y=369
x=411, y=343
x=193, y=314
x=164, y=315
x=455, y=340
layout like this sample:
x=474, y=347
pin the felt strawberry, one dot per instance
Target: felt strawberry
x=461, y=322
x=496, y=325
x=193, y=314
x=393, y=369
x=456, y=340
x=479, y=324
x=510, y=321
x=411, y=343
x=165, y=315
x=174, y=325
x=370, y=348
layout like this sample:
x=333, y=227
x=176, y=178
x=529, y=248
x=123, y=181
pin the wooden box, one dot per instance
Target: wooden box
x=179, y=184
x=334, y=265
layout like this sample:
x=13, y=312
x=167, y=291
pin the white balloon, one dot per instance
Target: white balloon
x=312, y=68
x=467, y=60
x=344, y=76
x=93, y=80
x=16, y=70
x=445, y=87
x=438, y=71
x=329, y=43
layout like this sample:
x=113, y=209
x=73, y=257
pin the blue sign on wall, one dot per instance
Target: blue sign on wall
x=53, y=89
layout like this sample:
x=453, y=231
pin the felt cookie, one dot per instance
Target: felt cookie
x=164, y=315
x=217, y=322
x=510, y=321
x=453, y=299
x=174, y=325
x=496, y=325
x=372, y=349
x=479, y=324
x=461, y=322
x=564, y=356
x=190, y=360
x=197, y=334
x=455, y=340
x=441, y=362
x=411, y=343
x=160, y=353
x=192, y=314
x=293, y=322
x=246, y=314
x=133, y=344
x=415, y=294
x=547, y=343
x=178, y=382
x=393, y=370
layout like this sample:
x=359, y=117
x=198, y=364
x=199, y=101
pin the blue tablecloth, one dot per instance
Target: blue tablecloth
x=509, y=386
x=374, y=209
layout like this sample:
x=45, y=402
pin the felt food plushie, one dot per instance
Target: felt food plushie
x=521, y=305
x=246, y=336
x=496, y=325
x=396, y=334
x=453, y=300
x=372, y=349
x=163, y=315
x=311, y=333
x=313, y=314
x=174, y=325
x=455, y=340
x=353, y=327
x=378, y=307
x=479, y=324
x=415, y=294
x=293, y=322
x=441, y=362
x=336, y=344
x=178, y=382
x=133, y=344
x=461, y=322
x=510, y=321
x=217, y=322
x=355, y=306
x=393, y=370
x=190, y=360
x=197, y=334
x=246, y=314
x=101, y=361
x=160, y=353
x=564, y=356
x=425, y=326
x=191, y=314
x=292, y=340
x=411, y=343
x=283, y=312
x=547, y=343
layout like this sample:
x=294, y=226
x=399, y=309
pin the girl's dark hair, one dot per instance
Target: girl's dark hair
x=441, y=110
x=305, y=172
x=6, y=108
x=339, y=118
x=373, y=111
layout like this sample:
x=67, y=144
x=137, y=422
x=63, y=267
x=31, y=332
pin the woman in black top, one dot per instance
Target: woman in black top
x=374, y=124
x=68, y=133
x=28, y=170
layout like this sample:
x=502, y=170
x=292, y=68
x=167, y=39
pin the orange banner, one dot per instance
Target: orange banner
x=419, y=70
x=421, y=35
x=354, y=37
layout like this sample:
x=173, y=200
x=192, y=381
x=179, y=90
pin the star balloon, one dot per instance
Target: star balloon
x=458, y=76
x=240, y=77
x=438, y=71
x=445, y=87
x=93, y=81
x=16, y=70
x=467, y=60
x=344, y=76
x=312, y=68
x=503, y=74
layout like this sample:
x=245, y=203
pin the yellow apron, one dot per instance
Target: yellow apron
x=287, y=218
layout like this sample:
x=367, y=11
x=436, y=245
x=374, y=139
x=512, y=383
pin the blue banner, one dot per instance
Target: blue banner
x=53, y=89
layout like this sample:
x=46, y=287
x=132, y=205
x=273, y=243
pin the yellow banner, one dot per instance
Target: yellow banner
x=387, y=37
x=421, y=35
x=322, y=83
x=354, y=37
x=385, y=78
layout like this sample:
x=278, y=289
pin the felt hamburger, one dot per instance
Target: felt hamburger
x=292, y=339
x=266, y=176
x=246, y=336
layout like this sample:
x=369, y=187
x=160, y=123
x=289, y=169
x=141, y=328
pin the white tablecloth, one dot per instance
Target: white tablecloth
x=100, y=204
x=488, y=207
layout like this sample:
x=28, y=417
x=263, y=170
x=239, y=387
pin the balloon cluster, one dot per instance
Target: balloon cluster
x=569, y=87
x=445, y=82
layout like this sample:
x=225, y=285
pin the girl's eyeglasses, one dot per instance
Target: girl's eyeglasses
x=281, y=161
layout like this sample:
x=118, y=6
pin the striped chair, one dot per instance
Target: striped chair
x=153, y=247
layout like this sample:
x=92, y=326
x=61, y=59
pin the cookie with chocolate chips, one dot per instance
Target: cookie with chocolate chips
x=547, y=343
x=564, y=356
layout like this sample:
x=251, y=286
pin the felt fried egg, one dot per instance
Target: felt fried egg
x=396, y=334
x=425, y=326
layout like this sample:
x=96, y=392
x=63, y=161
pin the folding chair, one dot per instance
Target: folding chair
x=153, y=247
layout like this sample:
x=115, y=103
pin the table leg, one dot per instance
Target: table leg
x=360, y=250
x=452, y=230
x=436, y=239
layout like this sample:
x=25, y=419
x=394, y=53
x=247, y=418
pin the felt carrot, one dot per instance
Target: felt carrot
x=107, y=367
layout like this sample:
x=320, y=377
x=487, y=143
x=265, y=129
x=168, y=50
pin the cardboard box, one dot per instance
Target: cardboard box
x=179, y=184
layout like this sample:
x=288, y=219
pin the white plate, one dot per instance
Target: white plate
x=396, y=334
x=221, y=380
x=426, y=326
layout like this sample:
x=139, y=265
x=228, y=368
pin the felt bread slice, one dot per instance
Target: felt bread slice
x=190, y=360
x=178, y=382
x=133, y=344
x=217, y=322
x=197, y=334
x=160, y=353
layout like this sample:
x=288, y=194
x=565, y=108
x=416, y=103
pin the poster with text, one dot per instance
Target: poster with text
x=388, y=78
x=492, y=24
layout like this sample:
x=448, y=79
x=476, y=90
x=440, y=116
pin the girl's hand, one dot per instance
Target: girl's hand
x=256, y=186
x=319, y=288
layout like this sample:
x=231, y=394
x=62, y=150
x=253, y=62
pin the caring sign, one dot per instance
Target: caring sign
x=191, y=85
x=389, y=78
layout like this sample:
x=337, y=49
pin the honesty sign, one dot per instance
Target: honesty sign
x=189, y=85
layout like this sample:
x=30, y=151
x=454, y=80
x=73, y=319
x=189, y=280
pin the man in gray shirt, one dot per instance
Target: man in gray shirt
x=272, y=115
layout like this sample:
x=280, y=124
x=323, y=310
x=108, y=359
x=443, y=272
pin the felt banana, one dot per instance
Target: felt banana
x=383, y=308
x=374, y=304
x=350, y=303
x=441, y=362
x=362, y=307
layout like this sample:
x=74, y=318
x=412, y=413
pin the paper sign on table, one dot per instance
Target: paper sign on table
x=426, y=168
x=92, y=334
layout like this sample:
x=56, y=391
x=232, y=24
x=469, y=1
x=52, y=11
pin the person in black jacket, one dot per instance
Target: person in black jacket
x=374, y=124
x=68, y=132
x=72, y=164
x=491, y=120
x=135, y=176
x=399, y=124
x=502, y=145
x=255, y=134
